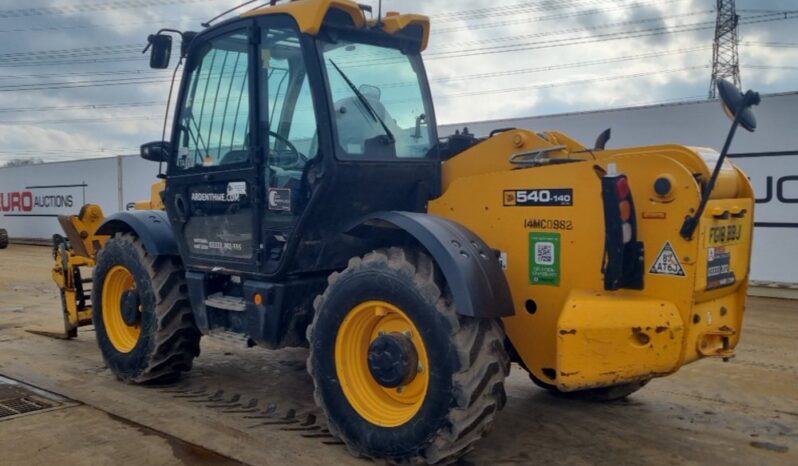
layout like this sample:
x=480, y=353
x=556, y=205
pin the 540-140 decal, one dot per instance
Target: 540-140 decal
x=539, y=198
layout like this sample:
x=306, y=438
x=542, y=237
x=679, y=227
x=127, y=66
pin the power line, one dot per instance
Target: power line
x=562, y=66
x=576, y=30
x=575, y=14
x=518, y=71
x=512, y=10
x=81, y=74
x=769, y=67
x=610, y=36
x=91, y=7
x=569, y=83
x=77, y=52
x=598, y=38
x=85, y=61
x=82, y=84
x=75, y=120
x=785, y=45
x=82, y=107
x=76, y=56
x=441, y=96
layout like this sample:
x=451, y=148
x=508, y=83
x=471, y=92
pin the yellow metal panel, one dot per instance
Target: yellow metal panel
x=155, y=202
x=605, y=340
x=475, y=183
x=310, y=14
x=494, y=155
x=394, y=24
x=477, y=202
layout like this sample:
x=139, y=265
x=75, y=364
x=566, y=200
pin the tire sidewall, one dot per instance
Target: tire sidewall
x=126, y=366
x=379, y=282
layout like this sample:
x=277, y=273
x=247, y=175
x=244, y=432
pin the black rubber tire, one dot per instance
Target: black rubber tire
x=468, y=361
x=169, y=339
x=602, y=394
x=3, y=239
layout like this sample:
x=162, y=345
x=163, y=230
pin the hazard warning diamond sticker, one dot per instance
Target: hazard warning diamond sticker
x=667, y=263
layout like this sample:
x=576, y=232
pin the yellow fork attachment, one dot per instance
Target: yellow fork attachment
x=74, y=257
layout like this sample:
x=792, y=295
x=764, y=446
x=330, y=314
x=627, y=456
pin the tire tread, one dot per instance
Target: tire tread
x=484, y=363
x=176, y=339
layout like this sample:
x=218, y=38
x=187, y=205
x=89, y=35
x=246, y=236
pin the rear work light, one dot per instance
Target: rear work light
x=623, y=254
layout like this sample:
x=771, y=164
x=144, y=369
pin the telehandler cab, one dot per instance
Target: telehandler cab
x=308, y=200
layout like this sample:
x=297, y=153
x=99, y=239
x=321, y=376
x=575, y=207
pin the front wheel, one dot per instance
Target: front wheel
x=144, y=324
x=401, y=376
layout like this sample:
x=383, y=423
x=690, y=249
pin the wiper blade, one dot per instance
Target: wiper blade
x=365, y=102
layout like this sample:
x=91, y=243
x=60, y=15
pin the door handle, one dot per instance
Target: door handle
x=181, y=209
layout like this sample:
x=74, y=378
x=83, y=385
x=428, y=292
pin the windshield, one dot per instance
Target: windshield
x=380, y=111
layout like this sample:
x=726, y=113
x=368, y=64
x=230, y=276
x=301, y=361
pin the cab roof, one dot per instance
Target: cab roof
x=310, y=16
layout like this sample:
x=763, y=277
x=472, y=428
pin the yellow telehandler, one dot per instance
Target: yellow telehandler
x=307, y=199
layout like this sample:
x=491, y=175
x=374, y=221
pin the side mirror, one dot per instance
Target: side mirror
x=157, y=151
x=161, y=51
x=738, y=105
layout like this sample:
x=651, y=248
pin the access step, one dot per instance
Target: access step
x=227, y=303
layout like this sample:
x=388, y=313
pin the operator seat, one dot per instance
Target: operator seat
x=355, y=125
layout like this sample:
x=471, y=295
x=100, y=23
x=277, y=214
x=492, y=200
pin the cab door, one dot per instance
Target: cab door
x=289, y=98
x=214, y=194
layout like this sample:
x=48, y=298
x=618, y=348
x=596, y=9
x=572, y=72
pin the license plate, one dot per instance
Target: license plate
x=724, y=235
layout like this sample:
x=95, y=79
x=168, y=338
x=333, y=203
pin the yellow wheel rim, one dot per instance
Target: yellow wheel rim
x=382, y=406
x=123, y=336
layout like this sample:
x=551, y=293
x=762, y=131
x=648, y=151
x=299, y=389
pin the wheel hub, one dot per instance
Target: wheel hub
x=131, y=307
x=393, y=360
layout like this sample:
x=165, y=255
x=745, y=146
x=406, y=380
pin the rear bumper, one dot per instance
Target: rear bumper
x=605, y=339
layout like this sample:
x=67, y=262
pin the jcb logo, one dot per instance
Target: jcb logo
x=509, y=198
x=539, y=197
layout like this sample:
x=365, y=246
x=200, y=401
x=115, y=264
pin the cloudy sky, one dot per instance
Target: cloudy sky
x=74, y=84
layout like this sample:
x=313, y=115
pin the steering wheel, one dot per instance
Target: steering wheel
x=298, y=157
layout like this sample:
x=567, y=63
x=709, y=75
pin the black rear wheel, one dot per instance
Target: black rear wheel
x=400, y=375
x=3, y=239
x=141, y=313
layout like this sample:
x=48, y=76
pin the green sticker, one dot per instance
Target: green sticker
x=544, y=259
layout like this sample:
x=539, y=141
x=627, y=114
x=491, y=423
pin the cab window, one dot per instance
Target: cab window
x=380, y=111
x=214, y=120
x=288, y=119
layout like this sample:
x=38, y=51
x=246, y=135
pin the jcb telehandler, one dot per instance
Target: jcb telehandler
x=307, y=199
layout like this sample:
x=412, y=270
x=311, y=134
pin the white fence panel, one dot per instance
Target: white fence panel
x=31, y=197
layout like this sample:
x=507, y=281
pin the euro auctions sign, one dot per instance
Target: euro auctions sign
x=30, y=202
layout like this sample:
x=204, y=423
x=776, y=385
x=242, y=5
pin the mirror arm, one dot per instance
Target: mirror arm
x=691, y=222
